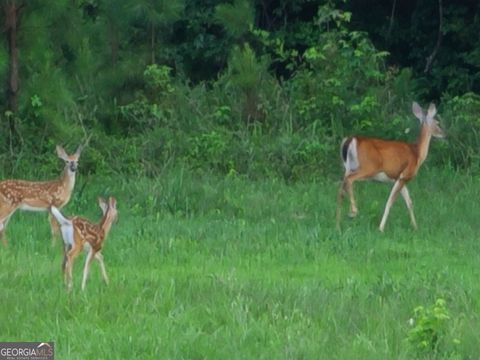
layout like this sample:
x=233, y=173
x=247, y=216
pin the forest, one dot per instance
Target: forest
x=258, y=88
x=215, y=128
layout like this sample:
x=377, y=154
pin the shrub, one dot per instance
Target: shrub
x=429, y=328
x=459, y=116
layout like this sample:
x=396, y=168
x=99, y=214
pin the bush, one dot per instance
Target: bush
x=429, y=329
x=460, y=118
x=248, y=121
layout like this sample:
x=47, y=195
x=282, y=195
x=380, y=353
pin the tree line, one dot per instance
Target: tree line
x=250, y=87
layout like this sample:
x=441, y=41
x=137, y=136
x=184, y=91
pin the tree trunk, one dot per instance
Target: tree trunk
x=114, y=42
x=152, y=45
x=392, y=19
x=431, y=57
x=11, y=9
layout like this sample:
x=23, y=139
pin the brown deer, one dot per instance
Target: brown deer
x=78, y=233
x=390, y=161
x=39, y=195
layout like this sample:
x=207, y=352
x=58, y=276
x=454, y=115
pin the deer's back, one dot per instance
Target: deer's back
x=87, y=231
x=34, y=195
x=394, y=158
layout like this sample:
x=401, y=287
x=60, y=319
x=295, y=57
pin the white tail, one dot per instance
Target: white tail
x=78, y=232
x=38, y=195
x=62, y=220
x=387, y=161
x=66, y=229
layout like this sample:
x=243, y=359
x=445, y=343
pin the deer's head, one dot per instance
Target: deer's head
x=428, y=120
x=109, y=209
x=71, y=161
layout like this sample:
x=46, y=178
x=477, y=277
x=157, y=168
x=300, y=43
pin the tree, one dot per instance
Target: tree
x=11, y=14
x=156, y=14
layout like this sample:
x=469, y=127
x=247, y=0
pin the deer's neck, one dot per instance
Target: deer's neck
x=106, y=224
x=423, y=144
x=68, y=179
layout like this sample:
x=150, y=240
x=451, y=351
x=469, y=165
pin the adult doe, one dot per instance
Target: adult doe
x=391, y=161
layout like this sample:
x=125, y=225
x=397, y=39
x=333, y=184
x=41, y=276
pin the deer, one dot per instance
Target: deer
x=39, y=195
x=390, y=161
x=79, y=233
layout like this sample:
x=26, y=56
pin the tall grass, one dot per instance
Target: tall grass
x=210, y=267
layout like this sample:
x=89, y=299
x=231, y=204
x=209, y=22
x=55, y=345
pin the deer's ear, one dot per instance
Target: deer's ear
x=417, y=111
x=61, y=153
x=103, y=204
x=112, y=202
x=82, y=146
x=432, y=111
x=78, y=151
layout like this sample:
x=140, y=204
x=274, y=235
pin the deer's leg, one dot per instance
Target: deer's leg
x=86, y=269
x=341, y=192
x=5, y=214
x=68, y=240
x=54, y=228
x=99, y=257
x=397, y=187
x=66, y=249
x=71, y=255
x=353, y=204
x=3, y=226
x=2, y=234
x=409, y=203
x=349, y=180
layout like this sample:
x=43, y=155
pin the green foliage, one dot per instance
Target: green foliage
x=286, y=81
x=102, y=156
x=3, y=64
x=329, y=14
x=210, y=149
x=460, y=115
x=158, y=78
x=410, y=34
x=244, y=70
x=429, y=327
x=236, y=18
x=248, y=77
x=222, y=115
x=157, y=12
x=341, y=84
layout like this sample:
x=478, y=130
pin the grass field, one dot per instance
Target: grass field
x=214, y=268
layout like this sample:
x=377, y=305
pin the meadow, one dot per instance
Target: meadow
x=209, y=267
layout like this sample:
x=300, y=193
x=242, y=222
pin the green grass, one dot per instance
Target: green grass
x=212, y=268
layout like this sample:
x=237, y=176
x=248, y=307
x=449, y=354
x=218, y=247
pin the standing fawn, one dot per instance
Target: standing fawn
x=38, y=195
x=78, y=232
x=396, y=162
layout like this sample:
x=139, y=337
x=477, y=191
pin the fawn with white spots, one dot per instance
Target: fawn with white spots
x=78, y=233
x=39, y=195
